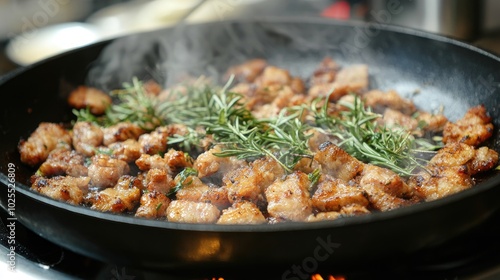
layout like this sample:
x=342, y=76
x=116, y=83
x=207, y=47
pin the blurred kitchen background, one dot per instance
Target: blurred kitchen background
x=31, y=30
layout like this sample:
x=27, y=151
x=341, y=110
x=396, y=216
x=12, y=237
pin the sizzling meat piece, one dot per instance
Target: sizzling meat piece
x=249, y=182
x=289, y=198
x=184, y=211
x=451, y=170
x=42, y=141
x=123, y=197
x=337, y=162
x=104, y=171
x=473, y=129
x=89, y=97
x=64, y=188
x=244, y=212
x=153, y=205
x=64, y=161
x=121, y=132
x=87, y=138
x=334, y=194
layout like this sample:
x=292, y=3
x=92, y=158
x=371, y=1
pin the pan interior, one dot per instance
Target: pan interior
x=431, y=70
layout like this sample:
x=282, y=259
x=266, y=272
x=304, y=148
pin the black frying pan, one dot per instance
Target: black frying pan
x=444, y=71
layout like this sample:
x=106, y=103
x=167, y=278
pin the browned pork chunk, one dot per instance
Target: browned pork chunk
x=337, y=162
x=353, y=78
x=124, y=196
x=154, y=142
x=184, y=211
x=87, y=137
x=45, y=138
x=247, y=71
x=431, y=122
x=104, y=171
x=289, y=198
x=153, y=205
x=450, y=170
x=89, y=97
x=158, y=179
x=244, y=212
x=273, y=75
x=195, y=190
x=62, y=161
x=379, y=101
x=177, y=160
x=473, y=129
x=325, y=72
x=121, y=132
x=395, y=119
x=146, y=162
x=128, y=150
x=64, y=188
x=208, y=164
x=334, y=194
x=385, y=189
x=249, y=182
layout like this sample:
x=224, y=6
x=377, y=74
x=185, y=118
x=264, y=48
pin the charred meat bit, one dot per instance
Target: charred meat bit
x=473, y=129
x=64, y=162
x=384, y=188
x=128, y=150
x=442, y=182
x=350, y=79
x=177, y=160
x=153, y=205
x=158, y=179
x=195, y=190
x=89, y=97
x=121, y=132
x=154, y=142
x=451, y=170
x=337, y=162
x=249, y=182
x=63, y=188
x=104, y=171
x=87, y=137
x=333, y=194
x=326, y=71
x=42, y=141
x=146, y=162
x=124, y=196
x=289, y=198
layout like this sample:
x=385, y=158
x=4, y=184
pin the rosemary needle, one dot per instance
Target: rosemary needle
x=361, y=136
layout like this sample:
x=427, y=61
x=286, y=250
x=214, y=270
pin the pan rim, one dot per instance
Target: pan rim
x=288, y=226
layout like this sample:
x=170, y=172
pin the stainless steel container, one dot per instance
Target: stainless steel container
x=461, y=19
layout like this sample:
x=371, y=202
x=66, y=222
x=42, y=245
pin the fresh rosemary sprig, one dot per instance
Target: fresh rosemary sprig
x=243, y=136
x=361, y=136
x=136, y=106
